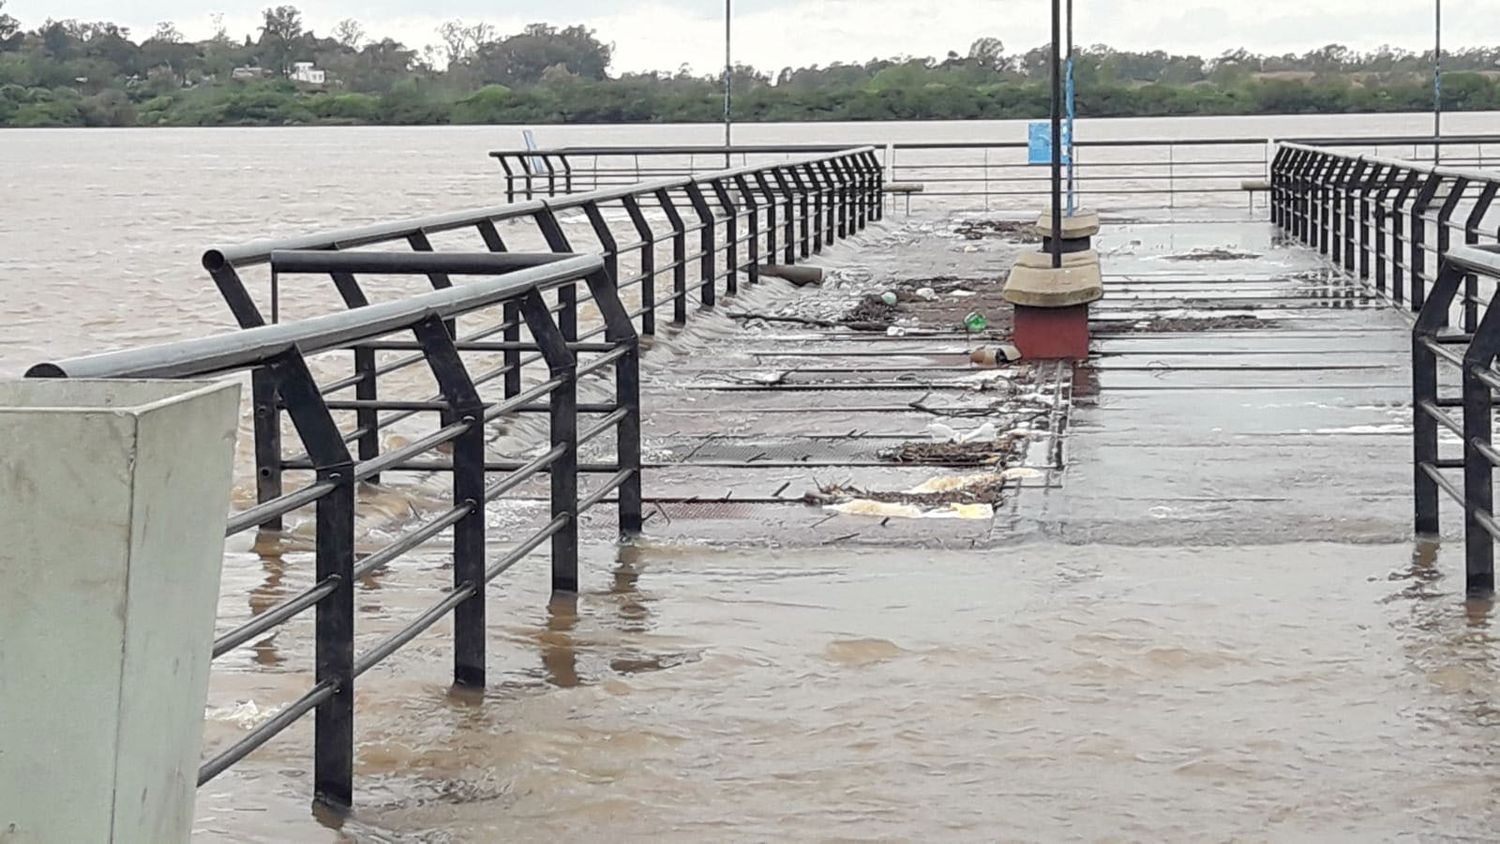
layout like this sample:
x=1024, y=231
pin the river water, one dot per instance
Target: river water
x=1041, y=692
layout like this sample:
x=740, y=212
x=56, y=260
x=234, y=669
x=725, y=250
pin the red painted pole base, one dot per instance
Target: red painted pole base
x=1052, y=333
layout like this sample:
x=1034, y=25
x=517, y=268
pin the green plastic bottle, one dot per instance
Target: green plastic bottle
x=975, y=321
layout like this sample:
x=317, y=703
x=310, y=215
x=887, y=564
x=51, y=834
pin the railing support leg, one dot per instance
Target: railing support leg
x=563, y=418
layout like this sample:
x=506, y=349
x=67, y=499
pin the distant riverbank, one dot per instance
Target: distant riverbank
x=648, y=101
x=81, y=73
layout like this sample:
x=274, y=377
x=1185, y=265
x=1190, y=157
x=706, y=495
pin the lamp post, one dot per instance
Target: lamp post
x=1437, y=83
x=1056, y=134
x=728, y=75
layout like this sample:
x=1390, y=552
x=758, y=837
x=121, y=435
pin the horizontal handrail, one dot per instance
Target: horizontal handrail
x=253, y=346
x=259, y=252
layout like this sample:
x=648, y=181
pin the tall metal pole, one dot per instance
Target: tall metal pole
x=728, y=75
x=1069, y=93
x=1437, y=84
x=1056, y=134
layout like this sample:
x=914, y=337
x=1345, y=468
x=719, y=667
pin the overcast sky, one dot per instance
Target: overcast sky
x=770, y=34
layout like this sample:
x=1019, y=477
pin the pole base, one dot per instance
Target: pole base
x=1052, y=333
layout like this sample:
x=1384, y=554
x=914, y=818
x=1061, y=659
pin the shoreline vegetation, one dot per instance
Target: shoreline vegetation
x=77, y=73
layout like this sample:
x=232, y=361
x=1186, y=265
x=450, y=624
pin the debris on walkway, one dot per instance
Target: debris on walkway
x=1217, y=253
x=1165, y=324
x=1015, y=231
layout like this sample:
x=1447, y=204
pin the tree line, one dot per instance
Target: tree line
x=83, y=73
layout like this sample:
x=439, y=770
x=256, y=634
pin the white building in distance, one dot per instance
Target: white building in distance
x=305, y=72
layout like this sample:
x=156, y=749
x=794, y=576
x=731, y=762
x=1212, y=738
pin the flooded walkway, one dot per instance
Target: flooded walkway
x=1195, y=611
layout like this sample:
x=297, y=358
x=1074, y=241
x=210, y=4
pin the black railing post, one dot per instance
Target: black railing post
x=1417, y=265
x=1399, y=247
x=333, y=729
x=1278, y=178
x=567, y=294
x=816, y=217
x=563, y=424
x=1383, y=213
x=1304, y=197
x=1479, y=490
x=828, y=185
x=769, y=195
x=510, y=317
x=607, y=243
x=679, y=255
x=648, y=263
x=551, y=176
x=619, y=331
x=877, y=200
x=1353, y=188
x=838, y=188
x=367, y=419
x=785, y=183
x=1471, y=236
x=1424, y=378
x=510, y=178
x=706, y=243
x=752, y=239
x=458, y=390
x=267, y=432
x=1445, y=210
x=731, y=236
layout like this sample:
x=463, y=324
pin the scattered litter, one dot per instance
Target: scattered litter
x=983, y=434
x=888, y=297
x=892, y=510
x=895, y=331
x=886, y=509
x=952, y=483
x=926, y=293
x=993, y=355
x=1021, y=473
x=982, y=381
x=961, y=293
x=942, y=433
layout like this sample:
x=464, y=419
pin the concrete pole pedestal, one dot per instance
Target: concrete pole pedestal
x=1052, y=303
x=115, y=498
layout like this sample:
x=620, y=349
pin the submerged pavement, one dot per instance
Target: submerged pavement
x=1196, y=614
x=1240, y=392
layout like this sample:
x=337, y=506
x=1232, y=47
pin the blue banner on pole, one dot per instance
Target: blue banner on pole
x=1039, y=143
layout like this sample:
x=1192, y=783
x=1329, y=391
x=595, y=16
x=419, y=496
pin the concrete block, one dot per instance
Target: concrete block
x=1034, y=282
x=1080, y=224
x=115, y=499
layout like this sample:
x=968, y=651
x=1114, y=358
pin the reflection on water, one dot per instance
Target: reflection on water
x=559, y=657
x=1036, y=692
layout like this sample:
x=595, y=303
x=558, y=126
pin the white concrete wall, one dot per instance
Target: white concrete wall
x=113, y=498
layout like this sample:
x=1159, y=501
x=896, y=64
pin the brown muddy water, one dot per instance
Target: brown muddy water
x=697, y=692
x=1316, y=692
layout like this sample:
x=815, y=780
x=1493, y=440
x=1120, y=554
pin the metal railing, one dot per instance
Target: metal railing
x=280, y=354
x=1385, y=220
x=1472, y=353
x=1427, y=238
x=1199, y=170
x=741, y=217
x=790, y=209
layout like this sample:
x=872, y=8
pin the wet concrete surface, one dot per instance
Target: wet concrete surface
x=1200, y=617
x=1239, y=390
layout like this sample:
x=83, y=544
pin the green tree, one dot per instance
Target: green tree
x=279, y=36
